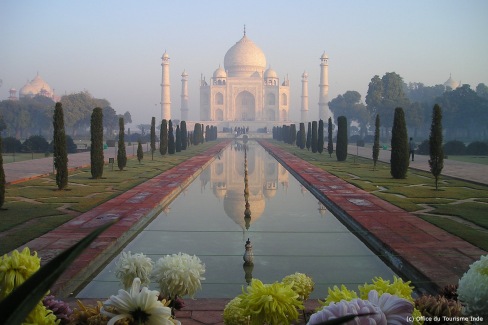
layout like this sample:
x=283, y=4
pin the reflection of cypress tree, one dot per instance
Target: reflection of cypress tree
x=247, y=207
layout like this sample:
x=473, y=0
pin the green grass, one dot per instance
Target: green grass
x=483, y=160
x=31, y=208
x=412, y=193
x=10, y=157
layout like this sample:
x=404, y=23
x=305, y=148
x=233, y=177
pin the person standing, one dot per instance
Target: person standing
x=411, y=145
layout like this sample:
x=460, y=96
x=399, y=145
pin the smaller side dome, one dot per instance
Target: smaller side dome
x=220, y=73
x=270, y=73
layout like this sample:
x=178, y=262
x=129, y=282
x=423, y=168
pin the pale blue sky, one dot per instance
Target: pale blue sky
x=113, y=48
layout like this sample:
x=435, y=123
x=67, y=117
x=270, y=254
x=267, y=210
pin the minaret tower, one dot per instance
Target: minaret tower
x=165, y=89
x=304, y=108
x=324, y=112
x=184, y=96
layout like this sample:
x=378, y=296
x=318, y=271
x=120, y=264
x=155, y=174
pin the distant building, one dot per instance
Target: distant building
x=451, y=83
x=35, y=87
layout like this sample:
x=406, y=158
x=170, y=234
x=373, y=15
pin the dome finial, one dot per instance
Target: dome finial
x=244, y=29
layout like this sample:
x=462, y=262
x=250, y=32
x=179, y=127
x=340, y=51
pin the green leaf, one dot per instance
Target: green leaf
x=343, y=319
x=16, y=306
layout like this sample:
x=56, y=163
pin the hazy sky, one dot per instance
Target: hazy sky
x=113, y=48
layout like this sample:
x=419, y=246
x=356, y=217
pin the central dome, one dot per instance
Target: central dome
x=244, y=58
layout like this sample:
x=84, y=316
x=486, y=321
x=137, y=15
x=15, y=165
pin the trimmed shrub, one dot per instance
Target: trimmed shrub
x=96, y=149
x=436, y=161
x=399, y=146
x=121, y=154
x=477, y=148
x=59, y=148
x=455, y=148
x=341, y=144
x=140, y=152
x=35, y=143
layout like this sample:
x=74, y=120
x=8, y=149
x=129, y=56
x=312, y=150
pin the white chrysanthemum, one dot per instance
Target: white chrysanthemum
x=397, y=310
x=179, y=274
x=129, y=267
x=473, y=288
x=346, y=308
x=140, y=305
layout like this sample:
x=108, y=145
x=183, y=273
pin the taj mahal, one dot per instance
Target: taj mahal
x=245, y=90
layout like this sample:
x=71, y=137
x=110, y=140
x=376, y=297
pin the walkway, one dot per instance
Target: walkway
x=477, y=173
x=411, y=244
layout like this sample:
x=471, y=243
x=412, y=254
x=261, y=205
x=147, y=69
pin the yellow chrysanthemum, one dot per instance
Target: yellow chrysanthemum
x=16, y=268
x=300, y=283
x=40, y=315
x=336, y=295
x=397, y=288
x=234, y=314
x=273, y=303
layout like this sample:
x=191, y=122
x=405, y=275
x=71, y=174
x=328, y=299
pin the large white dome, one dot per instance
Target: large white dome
x=36, y=86
x=244, y=58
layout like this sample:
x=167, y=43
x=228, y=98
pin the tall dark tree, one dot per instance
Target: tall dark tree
x=121, y=154
x=314, y=136
x=436, y=161
x=376, y=144
x=309, y=135
x=153, y=137
x=59, y=148
x=341, y=144
x=184, y=135
x=303, y=136
x=178, y=139
x=293, y=133
x=171, y=138
x=96, y=148
x=320, y=140
x=140, y=152
x=197, y=132
x=2, y=177
x=399, y=146
x=163, y=137
x=330, y=143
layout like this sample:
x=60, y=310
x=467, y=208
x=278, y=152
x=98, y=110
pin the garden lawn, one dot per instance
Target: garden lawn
x=415, y=194
x=35, y=207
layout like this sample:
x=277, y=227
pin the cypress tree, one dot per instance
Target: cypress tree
x=196, y=134
x=96, y=149
x=178, y=139
x=376, y=144
x=330, y=142
x=171, y=139
x=163, y=138
x=341, y=145
x=202, y=135
x=59, y=148
x=184, y=135
x=140, y=153
x=121, y=154
x=320, y=140
x=399, y=146
x=314, y=136
x=309, y=136
x=436, y=161
x=303, y=137
x=153, y=137
x=293, y=133
x=2, y=177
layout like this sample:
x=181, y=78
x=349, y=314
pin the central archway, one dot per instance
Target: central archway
x=245, y=105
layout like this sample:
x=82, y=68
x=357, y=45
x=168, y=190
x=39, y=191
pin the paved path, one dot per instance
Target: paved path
x=459, y=169
x=418, y=248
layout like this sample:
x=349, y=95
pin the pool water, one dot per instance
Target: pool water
x=290, y=231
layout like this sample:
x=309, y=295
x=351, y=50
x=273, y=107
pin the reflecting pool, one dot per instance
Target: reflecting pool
x=289, y=229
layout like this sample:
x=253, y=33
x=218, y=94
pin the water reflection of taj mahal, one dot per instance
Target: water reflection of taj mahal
x=226, y=179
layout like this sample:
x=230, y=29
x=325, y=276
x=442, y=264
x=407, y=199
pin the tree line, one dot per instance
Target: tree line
x=465, y=110
x=33, y=116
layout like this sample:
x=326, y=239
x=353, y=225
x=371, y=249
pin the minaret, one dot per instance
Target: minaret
x=165, y=89
x=304, y=109
x=184, y=96
x=324, y=112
